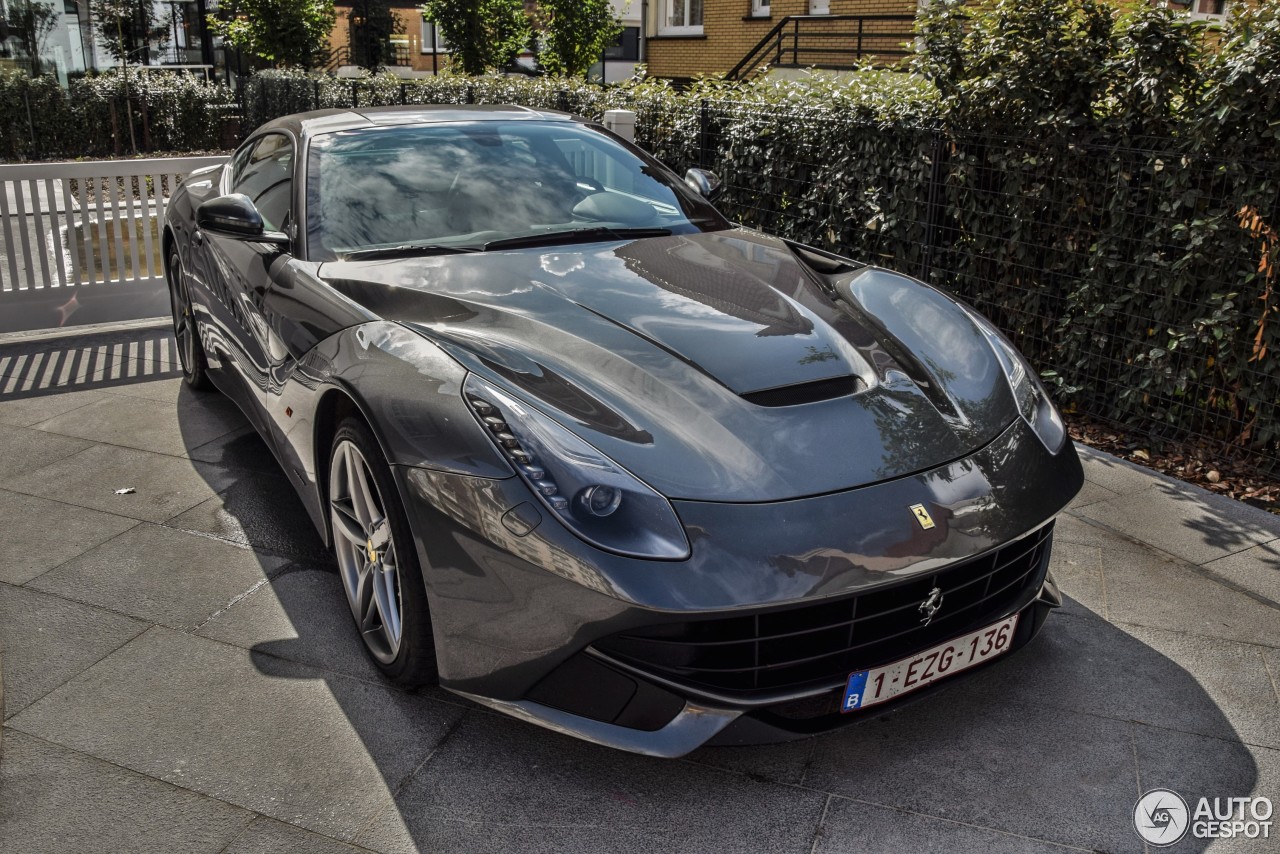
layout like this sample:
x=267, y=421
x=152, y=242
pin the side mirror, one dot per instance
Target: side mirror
x=234, y=216
x=704, y=183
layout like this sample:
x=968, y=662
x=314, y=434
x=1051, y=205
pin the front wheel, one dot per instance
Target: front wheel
x=195, y=368
x=376, y=559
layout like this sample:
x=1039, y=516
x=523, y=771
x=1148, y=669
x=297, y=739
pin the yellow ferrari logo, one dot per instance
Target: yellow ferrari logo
x=373, y=553
x=922, y=516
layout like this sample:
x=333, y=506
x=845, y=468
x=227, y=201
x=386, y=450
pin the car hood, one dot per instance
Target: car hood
x=725, y=366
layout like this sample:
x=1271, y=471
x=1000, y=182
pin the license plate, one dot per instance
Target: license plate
x=868, y=687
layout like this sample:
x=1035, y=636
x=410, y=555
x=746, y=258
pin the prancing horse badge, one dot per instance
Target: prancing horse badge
x=922, y=516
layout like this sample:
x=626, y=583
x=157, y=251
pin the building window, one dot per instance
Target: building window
x=627, y=47
x=433, y=41
x=1208, y=10
x=682, y=17
x=759, y=8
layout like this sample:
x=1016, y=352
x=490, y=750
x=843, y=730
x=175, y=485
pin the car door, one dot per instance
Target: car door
x=240, y=270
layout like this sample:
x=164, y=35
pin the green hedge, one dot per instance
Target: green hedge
x=170, y=112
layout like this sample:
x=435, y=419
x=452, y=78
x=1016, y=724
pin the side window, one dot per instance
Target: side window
x=238, y=160
x=266, y=176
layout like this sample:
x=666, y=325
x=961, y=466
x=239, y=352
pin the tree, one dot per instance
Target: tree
x=128, y=28
x=576, y=32
x=482, y=34
x=371, y=24
x=285, y=33
x=31, y=22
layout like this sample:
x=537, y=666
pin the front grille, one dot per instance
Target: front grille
x=808, y=645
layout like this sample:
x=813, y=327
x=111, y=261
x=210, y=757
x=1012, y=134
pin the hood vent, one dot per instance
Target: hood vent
x=794, y=395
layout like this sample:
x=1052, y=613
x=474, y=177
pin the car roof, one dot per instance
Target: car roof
x=328, y=121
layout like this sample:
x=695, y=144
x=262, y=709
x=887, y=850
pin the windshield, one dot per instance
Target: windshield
x=477, y=185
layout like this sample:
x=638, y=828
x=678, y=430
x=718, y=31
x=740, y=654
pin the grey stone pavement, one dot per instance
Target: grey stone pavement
x=181, y=676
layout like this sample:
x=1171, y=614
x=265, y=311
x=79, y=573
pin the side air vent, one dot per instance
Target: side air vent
x=794, y=395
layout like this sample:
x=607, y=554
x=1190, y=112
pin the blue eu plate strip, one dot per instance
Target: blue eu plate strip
x=854, y=690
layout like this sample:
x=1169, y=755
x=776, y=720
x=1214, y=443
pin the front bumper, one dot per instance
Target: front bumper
x=696, y=722
x=520, y=607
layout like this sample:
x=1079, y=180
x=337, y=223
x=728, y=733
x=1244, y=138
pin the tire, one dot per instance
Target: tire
x=195, y=367
x=385, y=593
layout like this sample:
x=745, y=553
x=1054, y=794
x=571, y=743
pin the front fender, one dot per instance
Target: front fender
x=406, y=388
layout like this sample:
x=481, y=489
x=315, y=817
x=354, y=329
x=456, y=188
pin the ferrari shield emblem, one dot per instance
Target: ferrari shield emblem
x=922, y=516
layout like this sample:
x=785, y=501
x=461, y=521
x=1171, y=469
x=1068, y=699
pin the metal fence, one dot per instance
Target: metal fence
x=78, y=234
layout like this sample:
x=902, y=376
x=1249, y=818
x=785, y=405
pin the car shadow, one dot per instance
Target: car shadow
x=1056, y=743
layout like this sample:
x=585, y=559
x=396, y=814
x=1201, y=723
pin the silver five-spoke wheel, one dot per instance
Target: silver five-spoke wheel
x=366, y=551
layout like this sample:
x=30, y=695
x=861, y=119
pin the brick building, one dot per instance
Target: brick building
x=685, y=38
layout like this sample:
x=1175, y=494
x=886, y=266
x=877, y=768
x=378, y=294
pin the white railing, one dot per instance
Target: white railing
x=92, y=224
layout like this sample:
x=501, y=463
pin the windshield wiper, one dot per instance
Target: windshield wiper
x=574, y=235
x=407, y=249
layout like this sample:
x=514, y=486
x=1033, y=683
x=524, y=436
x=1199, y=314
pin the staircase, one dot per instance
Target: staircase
x=832, y=42
x=338, y=57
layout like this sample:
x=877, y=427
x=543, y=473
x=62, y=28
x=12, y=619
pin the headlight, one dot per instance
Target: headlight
x=591, y=494
x=1033, y=401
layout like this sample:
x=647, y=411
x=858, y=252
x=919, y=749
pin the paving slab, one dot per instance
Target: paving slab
x=149, y=425
x=168, y=577
x=1151, y=590
x=1233, y=678
x=164, y=486
x=47, y=640
x=32, y=409
x=23, y=450
x=1070, y=528
x=1091, y=493
x=1186, y=521
x=1256, y=570
x=27, y=549
x=168, y=390
x=777, y=763
x=1114, y=474
x=1272, y=659
x=1169, y=679
x=301, y=615
x=268, y=836
x=980, y=758
x=241, y=449
x=1077, y=569
x=853, y=826
x=311, y=749
x=262, y=511
x=497, y=785
x=57, y=801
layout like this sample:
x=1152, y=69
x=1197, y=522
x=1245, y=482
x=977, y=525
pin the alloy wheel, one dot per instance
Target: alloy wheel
x=183, y=328
x=366, y=551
